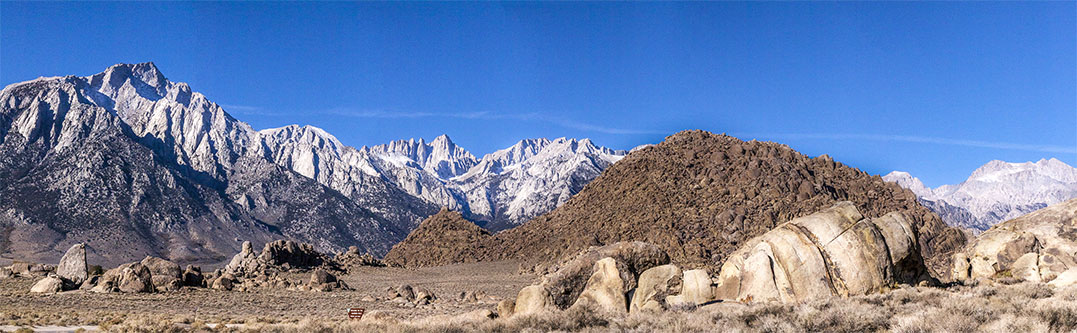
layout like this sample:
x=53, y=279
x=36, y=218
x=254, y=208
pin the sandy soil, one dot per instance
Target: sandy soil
x=497, y=280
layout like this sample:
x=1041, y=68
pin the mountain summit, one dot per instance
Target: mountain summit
x=996, y=192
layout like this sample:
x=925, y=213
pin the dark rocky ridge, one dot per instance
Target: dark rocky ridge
x=699, y=195
x=437, y=242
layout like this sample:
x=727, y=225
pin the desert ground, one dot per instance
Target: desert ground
x=1020, y=307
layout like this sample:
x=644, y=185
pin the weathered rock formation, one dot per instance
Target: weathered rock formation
x=72, y=266
x=1039, y=247
x=276, y=256
x=127, y=278
x=654, y=286
x=835, y=252
x=165, y=275
x=50, y=284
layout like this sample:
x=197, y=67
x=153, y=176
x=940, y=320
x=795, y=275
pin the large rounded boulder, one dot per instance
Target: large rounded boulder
x=834, y=252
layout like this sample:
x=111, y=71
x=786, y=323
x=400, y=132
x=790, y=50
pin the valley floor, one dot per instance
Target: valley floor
x=1024, y=307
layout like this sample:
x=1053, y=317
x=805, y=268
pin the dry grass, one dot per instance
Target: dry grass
x=987, y=308
x=1025, y=307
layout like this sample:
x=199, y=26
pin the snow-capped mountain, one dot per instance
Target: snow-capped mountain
x=499, y=191
x=996, y=192
x=134, y=164
x=534, y=176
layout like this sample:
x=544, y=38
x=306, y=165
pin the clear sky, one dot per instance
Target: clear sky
x=934, y=88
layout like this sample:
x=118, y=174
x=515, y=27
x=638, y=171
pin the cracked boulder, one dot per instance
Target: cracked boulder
x=1037, y=247
x=834, y=252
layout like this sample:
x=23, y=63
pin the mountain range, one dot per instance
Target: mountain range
x=995, y=192
x=132, y=164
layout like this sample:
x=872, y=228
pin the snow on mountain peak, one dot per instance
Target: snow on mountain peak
x=906, y=180
x=998, y=190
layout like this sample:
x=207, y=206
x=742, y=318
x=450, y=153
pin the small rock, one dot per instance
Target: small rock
x=532, y=299
x=505, y=308
x=49, y=284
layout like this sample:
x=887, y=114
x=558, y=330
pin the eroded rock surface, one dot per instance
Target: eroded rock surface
x=1038, y=247
x=835, y=252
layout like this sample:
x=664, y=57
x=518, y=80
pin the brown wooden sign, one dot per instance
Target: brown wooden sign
x=356, y=313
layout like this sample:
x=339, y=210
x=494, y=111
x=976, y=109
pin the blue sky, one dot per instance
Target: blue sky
x=934, y=88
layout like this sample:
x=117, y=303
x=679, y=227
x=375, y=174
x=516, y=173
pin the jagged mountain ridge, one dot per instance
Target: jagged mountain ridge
x=133, y=165
x=499, y=191
x=996, y=192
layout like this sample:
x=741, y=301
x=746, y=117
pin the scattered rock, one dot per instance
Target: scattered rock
x=128, y=278
x=72, y=267
x=192, y=277
x=225, y=282
x=1039, y=246
x=505, y=308
x=632, y=258
x=49, y=284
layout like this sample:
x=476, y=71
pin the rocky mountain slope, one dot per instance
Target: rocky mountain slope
x=995, y=192
x=699, y=196
x=133, y=164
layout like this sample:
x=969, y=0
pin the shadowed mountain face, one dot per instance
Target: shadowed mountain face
x=133, y=165
x=700, y=196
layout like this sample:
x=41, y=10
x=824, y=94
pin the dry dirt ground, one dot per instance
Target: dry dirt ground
x=1024, y=307
x=497, y=280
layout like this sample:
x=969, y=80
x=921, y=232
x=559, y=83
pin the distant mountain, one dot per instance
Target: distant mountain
x=996, y=192
x=134, y=164
x=499, y=191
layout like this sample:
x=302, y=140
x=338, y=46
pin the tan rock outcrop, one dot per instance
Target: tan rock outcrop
x=569, y=278
x=833, y=252
x=72, y=266
x=50, y=284
x=1039, y=247
x=605, y=289
x=695, y=289
x=165, y=275
x=532, y=299
x=653, y=287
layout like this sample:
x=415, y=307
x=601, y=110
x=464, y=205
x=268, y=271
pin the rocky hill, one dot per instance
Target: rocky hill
x=436, y=242
x=996, y=192
x=700, y=195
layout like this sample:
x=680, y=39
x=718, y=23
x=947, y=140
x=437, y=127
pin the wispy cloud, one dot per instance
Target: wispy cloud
x=926, y=139
x=484, y=115
x=250, y=110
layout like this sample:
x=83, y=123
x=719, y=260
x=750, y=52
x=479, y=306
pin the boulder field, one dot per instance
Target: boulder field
x=836, y=252
x=247, y=270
